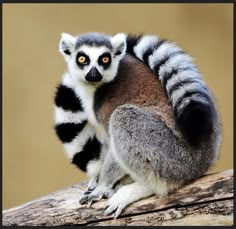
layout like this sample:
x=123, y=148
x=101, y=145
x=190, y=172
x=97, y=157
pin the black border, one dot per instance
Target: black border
x=115, y=1
x=119, y=1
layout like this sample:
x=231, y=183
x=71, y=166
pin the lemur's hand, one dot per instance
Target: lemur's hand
x=95, y=195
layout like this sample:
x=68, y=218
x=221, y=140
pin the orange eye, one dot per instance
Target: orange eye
x=82, y=59
x=105, y=59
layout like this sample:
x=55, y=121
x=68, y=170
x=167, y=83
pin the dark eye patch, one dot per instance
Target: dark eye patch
x=105, y=60
x=82, y=59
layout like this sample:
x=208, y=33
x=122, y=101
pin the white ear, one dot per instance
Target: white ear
x=118, y=42
x=66, y=45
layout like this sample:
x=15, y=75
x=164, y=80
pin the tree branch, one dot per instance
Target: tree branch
x=206, y=201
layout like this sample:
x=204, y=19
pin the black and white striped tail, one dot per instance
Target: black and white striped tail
x=190, y=98
x=71, y=126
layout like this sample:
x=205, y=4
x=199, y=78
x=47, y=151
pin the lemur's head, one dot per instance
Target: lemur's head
x=93, y=57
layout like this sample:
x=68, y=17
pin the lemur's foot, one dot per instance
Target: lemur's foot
x=117, y=203
x=97, y=194
x=125, y=196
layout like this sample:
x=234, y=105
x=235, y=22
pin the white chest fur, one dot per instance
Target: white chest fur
x=86, y=94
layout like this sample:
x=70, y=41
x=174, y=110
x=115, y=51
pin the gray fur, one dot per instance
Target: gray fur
x=142, y=143
x=93, y=39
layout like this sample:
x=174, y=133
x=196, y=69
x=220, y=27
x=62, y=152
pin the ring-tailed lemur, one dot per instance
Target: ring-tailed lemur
x=117, y=117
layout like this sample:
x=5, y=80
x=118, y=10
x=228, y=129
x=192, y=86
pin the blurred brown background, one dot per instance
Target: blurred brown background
x=34, y=163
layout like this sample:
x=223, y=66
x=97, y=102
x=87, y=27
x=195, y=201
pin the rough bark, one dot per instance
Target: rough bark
x=206, y=201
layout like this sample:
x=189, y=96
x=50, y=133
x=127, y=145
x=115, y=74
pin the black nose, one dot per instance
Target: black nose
x=93, y=75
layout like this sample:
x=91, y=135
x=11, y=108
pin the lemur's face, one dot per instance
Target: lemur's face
x=94, y=64
x=93, y=58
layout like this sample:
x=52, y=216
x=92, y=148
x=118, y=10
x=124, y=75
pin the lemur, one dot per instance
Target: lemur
x=134, y=107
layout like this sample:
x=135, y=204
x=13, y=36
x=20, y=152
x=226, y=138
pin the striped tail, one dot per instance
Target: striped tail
x=72, y=128
x=191, y=100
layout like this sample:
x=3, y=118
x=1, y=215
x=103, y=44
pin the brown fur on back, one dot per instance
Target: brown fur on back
x=135, y=84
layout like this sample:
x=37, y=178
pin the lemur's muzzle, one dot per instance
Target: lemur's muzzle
x=93, y=75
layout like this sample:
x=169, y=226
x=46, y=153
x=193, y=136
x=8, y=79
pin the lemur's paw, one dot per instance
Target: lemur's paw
x=97, y=194
x=116, y=204
x=126, y=195
x=89, y=198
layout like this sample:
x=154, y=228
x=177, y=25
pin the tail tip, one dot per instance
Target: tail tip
x=196, y=122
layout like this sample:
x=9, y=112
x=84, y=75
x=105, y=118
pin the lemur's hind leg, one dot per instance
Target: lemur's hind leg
x=139, y=143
